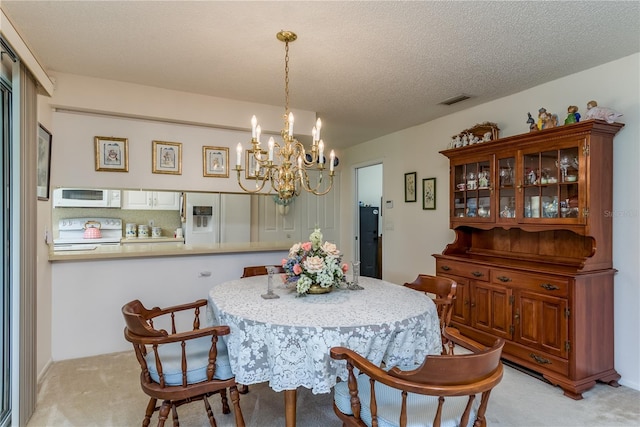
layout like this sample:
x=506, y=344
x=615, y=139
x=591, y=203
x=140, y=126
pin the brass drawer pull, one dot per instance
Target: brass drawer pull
x=549, y=286
x=540, y=360
x=477, y=274
x=445, y=267
x=504, y=278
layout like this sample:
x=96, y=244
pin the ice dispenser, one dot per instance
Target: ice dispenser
x=202, y=217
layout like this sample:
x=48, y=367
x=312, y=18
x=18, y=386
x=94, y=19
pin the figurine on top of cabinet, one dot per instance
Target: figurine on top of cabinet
x=572, y=115
x=531, y=123
x=455, y=142
x=595, y=112
x=546, y=120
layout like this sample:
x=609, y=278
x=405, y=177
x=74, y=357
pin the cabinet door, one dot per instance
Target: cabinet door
x=552, y=183
x=166, y=200
x=462, y=303
x=541, y=322
x=136, y=200
x=491, y=309
x=472, y=191
x=505, y=188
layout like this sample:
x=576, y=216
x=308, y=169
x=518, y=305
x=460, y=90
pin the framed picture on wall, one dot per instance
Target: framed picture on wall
x=167, y=157
x=410, y=187
x=429, y=193
x=215, y=162
x=251, y=172
x=44, y=162
x=112, y=154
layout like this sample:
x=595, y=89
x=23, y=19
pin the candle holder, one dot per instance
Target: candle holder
x=270, y=295
x=355, y=275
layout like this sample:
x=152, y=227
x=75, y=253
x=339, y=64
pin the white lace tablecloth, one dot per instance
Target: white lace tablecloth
x=286, y=341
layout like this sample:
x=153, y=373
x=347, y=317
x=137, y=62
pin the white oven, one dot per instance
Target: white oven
x=85, y=198
x=73, y=234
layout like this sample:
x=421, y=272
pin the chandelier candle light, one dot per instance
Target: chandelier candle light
x=289, y=175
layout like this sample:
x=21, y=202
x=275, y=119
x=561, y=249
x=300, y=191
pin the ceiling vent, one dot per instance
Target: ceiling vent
x=455, y=99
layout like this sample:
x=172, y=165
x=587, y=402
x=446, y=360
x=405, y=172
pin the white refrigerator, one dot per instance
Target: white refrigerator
x=217, y=218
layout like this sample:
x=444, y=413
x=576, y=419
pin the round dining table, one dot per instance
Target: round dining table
x=286, y=341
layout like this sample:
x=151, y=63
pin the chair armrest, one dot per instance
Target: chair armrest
x=176, y=308
x=186, y=336
x=384, y=377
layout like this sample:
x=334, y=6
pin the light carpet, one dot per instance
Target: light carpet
x=105, y=391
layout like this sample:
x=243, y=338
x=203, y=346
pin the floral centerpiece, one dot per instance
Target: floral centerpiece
x=314, y=266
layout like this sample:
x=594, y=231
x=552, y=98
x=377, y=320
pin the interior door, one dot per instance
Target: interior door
x=369, y=241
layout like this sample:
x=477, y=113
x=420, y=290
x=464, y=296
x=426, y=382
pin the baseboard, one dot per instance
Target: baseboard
x=524, y=370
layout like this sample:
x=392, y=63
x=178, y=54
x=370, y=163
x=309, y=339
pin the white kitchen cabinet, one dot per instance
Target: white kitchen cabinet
x=151, y=200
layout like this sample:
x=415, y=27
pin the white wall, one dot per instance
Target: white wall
x=87, y=297
x=43, y=288
x=412, y=234
x=370, y=185
x=143, y=114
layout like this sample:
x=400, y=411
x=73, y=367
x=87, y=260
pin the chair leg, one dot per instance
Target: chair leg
x=451, y=346
x=212, y=420
x=243, y=389
x=235, y=401
x=176, y=421
x=225, y=402
x=164, y=412
x=151, y=406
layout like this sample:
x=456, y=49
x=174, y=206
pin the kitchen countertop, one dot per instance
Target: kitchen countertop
x=160, y=247
x=127, y=240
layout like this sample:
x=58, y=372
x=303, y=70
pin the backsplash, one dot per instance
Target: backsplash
x=167, y=220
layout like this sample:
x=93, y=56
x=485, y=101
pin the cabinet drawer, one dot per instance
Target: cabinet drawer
x=471, y=271
x=536, y=283
x=538, y=360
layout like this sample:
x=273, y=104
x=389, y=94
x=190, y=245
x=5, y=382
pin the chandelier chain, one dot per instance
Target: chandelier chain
x=286, y=78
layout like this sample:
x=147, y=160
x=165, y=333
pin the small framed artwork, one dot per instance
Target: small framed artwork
x=429, y=193
x=44, y=162
x=167, y=157
x=112, y=154
x=215, y=162
x=250, y=171
x=410, y=187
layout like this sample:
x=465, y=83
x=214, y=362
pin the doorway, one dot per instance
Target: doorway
x=369, y=219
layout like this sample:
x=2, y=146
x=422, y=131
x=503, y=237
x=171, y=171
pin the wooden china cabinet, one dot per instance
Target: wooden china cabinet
x=532, y=254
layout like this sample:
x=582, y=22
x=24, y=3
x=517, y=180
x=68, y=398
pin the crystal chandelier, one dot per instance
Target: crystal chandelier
x=287, y=175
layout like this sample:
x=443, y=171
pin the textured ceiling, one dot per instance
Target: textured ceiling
x=367, y=68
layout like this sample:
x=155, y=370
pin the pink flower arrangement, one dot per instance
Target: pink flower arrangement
x=314, y=262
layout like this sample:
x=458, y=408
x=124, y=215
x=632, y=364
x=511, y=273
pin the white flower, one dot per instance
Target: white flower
x=316, y=238
x=330, y=249
x=295, y=249
x=314, y=264
x=303, y=284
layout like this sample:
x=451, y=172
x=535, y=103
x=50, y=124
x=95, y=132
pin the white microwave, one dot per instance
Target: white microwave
x=85, y=198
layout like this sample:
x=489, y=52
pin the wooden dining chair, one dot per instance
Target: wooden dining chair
x=180, y=367
x=260, y=270
x=442, y=391
x=444, y=290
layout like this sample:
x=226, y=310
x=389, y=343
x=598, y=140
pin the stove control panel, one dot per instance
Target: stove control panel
x=79, y=223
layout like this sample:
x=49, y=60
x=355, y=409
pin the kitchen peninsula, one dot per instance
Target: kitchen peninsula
x=165, y=248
